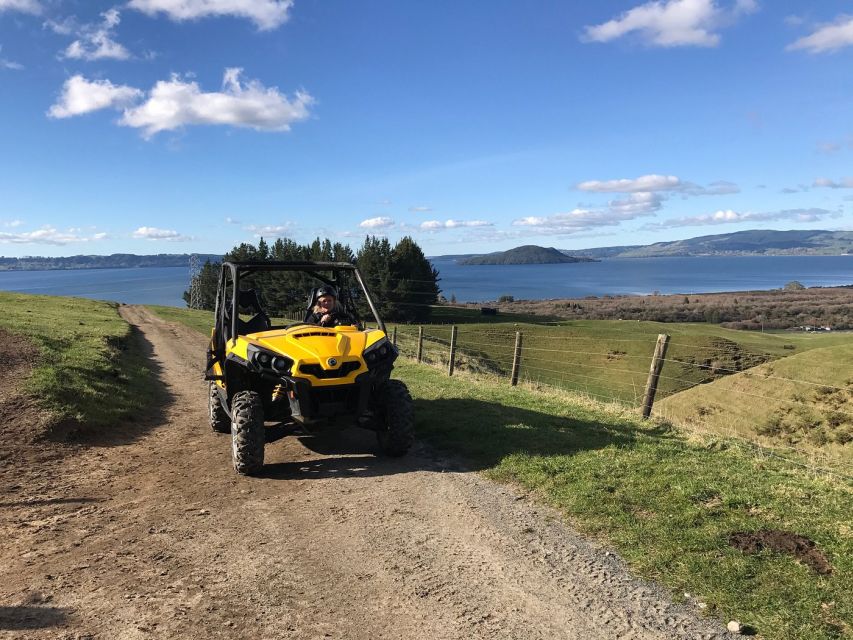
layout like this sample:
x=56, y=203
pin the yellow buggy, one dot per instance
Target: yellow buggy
x=265, y=376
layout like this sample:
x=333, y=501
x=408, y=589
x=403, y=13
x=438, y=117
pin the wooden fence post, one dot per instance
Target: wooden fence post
x=420, y=344
x=394, y=337
x=654, y=374
x=516, y=359
x=452, y=350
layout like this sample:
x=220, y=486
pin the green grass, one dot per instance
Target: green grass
x=804, y=401
x=665, y=503
x=90, y=369
x=609, y=359
x=201, y=321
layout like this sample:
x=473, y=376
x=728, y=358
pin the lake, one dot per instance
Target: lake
x=616, y=276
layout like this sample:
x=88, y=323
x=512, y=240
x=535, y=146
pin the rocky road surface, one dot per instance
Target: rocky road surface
x=148, y=533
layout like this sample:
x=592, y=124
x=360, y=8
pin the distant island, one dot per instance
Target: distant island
x=527, y=254
x=740, y=243
x=113, y=261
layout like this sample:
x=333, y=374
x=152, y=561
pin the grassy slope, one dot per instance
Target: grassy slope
x=667, y=504
x=90, y=370
x=766, y=403
x=609, y=359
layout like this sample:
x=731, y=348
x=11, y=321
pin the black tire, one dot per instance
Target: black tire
x=247, y=433
x=219, y=420
x=395, y=418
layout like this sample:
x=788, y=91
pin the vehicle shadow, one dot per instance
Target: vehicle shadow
x=484, y=433
x=458, y=434
x=351, y=452
x=25, y=617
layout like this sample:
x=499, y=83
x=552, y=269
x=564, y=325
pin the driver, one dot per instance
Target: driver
x=326, y=310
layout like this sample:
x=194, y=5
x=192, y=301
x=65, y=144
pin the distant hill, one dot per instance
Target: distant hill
x=740, y=243
x=527, y=254
x=114, y=261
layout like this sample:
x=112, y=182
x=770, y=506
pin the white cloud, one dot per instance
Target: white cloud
x=153, y=233
x=175, y=103
x=231, y=220
x=671, y=23
x=24, y=6
x=731, y=217
x=9, y=64
x=420, y=209
x=47, y=235
x=437, y=225
x=650, y=182
x=844, y=183
x=271, y=230
x=81, y=96
x=95, y=42
x=653, y=183
x=830, y=37
x=717, y=188
x=266, y=14
x=636, y=204
x=11, y=224
x=828, y=147
x=382, y=222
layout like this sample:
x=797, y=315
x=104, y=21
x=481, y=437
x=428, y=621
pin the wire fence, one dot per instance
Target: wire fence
x=804, y=414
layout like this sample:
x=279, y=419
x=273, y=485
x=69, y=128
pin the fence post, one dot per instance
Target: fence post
x=420, y=344
x=654, y=374
x=452, y=350
x=394, y=337
x=516, y=359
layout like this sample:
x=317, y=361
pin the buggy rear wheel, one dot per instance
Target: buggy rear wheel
x=219, y=420
x=247, y=432
x=396, y=418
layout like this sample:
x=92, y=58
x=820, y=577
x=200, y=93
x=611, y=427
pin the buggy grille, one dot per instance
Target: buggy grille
x=318, y=372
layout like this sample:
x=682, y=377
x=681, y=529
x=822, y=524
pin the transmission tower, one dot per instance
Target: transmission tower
x=195, y=282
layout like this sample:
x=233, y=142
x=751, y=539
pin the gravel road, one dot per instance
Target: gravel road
x=148, y=533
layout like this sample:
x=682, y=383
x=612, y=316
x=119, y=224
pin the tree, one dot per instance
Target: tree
x=414, y=282
x=794, y=285
x=402, y=282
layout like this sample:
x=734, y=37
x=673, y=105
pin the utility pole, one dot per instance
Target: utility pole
x=195, y=282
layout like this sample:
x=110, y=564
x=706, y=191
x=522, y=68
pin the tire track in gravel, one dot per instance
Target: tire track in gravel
x=159, y=538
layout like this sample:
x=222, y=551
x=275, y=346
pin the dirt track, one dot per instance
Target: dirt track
x=150, y=534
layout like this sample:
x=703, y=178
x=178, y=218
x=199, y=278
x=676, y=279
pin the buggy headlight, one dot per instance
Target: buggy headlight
x=381, y=351
x=268, y=361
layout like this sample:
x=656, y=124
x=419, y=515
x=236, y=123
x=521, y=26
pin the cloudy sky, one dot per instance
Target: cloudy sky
x=176, y=126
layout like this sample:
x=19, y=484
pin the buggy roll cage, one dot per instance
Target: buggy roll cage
x=236, y=269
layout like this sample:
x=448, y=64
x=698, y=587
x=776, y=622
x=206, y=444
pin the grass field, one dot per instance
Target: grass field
x=668, y=505
x=609, y=359
x=90, y=369
x=772, y=404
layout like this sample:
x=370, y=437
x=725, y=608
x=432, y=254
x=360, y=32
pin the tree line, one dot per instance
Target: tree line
x=401, y=280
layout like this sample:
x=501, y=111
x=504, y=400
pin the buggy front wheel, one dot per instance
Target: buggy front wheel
x=395, y=418
x=219, y=420
x=247, y=432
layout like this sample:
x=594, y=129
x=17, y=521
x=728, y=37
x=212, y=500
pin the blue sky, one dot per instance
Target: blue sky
x=177, y=126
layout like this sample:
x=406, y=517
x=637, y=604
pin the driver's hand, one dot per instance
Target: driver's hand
x=326, y=318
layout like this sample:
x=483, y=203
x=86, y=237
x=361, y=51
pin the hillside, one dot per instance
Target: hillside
x=741, y=243
x=113, y=261
x=804, y=400
x=527, y=254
